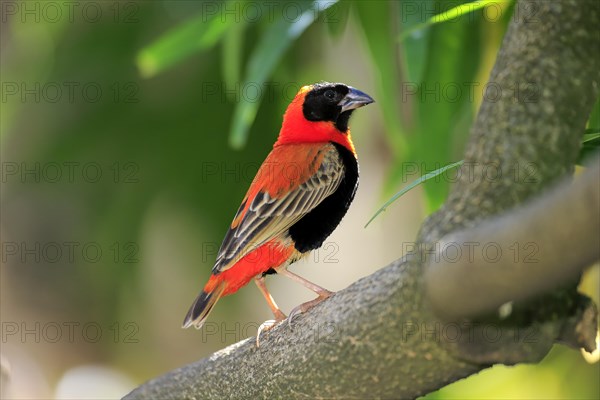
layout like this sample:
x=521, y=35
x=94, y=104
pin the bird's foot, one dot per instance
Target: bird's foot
x=268, y=325
x=304, y=307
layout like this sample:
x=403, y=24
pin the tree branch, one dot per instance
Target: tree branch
x=378, y=338
x=566, y=222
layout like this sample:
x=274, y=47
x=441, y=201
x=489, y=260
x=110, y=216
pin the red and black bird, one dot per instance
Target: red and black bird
x=298, y=197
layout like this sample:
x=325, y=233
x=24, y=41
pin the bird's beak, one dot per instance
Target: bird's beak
x=355, y=99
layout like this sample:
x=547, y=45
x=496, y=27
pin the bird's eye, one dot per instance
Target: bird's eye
x=330, y=94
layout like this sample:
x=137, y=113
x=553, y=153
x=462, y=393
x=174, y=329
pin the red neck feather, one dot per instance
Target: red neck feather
x=297, y=129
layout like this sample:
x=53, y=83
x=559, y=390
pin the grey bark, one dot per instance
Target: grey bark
x=566, y=222
x=380, y=338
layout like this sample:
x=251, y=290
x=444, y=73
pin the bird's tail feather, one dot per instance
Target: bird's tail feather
x=202, y=306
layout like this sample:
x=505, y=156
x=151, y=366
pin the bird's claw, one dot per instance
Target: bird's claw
x=297, y=310
x=265, y=326
x=304, y=307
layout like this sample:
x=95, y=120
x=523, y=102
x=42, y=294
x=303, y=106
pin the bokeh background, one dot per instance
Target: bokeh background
x=131, y=130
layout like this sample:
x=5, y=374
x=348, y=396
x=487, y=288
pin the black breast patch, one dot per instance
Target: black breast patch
x=310, y=232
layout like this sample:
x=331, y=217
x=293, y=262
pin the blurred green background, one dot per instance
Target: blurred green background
x=131, y=130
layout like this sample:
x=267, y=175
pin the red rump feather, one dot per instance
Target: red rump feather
x=269, y=255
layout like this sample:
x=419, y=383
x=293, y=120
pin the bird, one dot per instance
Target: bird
x=298, y=197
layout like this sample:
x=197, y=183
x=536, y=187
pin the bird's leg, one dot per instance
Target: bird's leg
x=304, y=307
x=322, y=292
x=277, y=313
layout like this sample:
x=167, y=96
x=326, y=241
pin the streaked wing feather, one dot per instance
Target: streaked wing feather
x=269, y=217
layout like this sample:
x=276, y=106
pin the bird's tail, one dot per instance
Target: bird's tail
x=203, y=304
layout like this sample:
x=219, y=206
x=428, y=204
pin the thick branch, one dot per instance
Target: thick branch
x=378, y=338
x=364, y=342
x=530, y=251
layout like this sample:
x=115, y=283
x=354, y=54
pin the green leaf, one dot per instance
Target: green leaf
x=414, y=47
x=590, y=144
x=450, y=14
x=443, y=101
x=231, y=62
x=413, y=184
x=376, y=22
x=198, y=34
x=594, y=121
x=337, y=18
x=271, y=47
x=590, y=135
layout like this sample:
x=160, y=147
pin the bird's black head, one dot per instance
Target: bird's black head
x=333, y=102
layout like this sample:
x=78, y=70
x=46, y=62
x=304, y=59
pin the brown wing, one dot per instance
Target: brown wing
x=275, y=201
